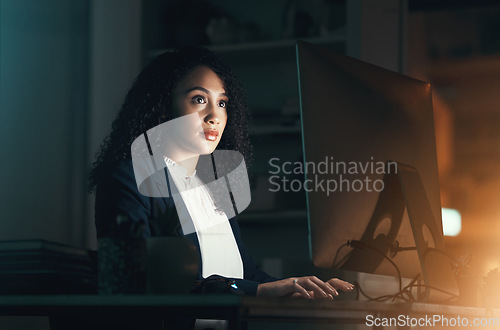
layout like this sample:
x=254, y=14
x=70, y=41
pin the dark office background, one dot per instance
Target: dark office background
x=65, y=67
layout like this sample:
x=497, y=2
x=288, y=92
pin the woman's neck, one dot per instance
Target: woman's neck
x=189, y=164
x=187, y=160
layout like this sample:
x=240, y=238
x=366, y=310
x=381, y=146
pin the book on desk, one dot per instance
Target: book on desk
x=43, y=267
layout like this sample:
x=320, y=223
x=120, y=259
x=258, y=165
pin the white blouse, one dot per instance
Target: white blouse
x=219, y=251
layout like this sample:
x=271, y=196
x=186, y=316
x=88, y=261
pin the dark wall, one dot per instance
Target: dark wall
x=43, y=99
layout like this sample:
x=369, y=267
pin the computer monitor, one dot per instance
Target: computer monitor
x=371, y=169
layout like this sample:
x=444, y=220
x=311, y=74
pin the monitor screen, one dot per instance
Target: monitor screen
x=360, y=121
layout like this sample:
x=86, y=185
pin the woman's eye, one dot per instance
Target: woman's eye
x=222, y=104
x=199, y=99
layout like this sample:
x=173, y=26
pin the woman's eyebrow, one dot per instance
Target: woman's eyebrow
x=204, y=90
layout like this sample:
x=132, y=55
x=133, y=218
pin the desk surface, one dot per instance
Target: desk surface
x=238, y=310
x=217, y=304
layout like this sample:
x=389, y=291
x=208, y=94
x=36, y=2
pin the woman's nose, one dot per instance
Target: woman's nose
x=213, y=121
x=212, y=116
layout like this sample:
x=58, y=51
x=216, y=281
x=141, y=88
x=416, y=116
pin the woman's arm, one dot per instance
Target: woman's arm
x=117, y=194
x=258, y=282
x=253, y=275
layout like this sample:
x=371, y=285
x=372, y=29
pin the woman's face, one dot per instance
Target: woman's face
x=200, y=92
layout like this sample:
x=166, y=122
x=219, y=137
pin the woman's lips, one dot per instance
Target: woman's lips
x=211, y=135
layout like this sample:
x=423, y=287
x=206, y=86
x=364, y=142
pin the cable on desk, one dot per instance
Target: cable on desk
x=452, y=295
x=405, y=293
x=362, y=245
x=400, y=294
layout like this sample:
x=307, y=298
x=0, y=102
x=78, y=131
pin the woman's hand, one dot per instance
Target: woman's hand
x=309, y=287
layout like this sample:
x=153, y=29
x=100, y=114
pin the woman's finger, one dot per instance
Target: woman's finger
x=339, y=284
x=325, y=286
x=294, y=295
x=312, y=283
x=296, y=287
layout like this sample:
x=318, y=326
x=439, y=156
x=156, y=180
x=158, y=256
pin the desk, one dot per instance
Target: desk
x=238, y=310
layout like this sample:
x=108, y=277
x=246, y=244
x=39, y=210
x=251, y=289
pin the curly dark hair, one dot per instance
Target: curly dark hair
x=148, y=104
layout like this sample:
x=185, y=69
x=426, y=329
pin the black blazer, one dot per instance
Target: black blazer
x=117, y=193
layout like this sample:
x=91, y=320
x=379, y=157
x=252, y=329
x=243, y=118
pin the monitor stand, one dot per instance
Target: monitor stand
x=439, y=280
x=403, y=189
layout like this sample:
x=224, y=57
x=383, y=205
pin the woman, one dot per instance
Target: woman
x=194, y=87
